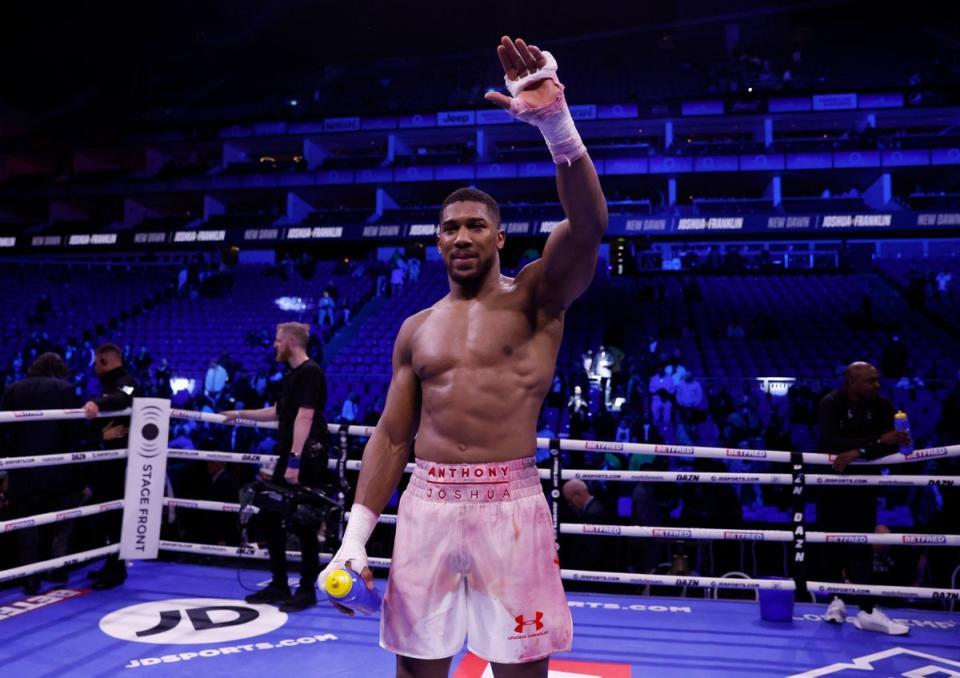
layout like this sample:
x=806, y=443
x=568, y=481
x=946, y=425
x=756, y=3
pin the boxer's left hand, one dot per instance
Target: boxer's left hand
x=520, y=60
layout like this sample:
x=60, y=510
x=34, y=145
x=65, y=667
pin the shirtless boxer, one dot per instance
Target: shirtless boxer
x=474, y=554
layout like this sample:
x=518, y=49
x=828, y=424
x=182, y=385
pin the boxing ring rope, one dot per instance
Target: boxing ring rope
x=691, y=581
x=633, y=531
x=627, y=476
x=884, y=590
x=57, y=459
x=66, y=514
x=212, y=418
x=632, y=448
x=729, y=454
x=57, y=516
x=204, y=505
x=54, y=563
x=739, y=534
x=566, y=474
x=542, y=443
x=75, y=413
x=643, y=532
x=754, y=478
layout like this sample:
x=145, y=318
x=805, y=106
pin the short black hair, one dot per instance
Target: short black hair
x=48, y=364
x=468, y=194
x=109, y=348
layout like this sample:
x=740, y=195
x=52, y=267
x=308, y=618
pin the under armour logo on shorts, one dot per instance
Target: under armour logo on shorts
x=536, y=621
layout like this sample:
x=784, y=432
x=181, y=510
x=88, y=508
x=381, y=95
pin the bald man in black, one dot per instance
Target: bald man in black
x=855, y=423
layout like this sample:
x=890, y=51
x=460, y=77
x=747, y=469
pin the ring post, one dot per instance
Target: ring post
x=146, y=475
x=555, y=489
x=798, y=504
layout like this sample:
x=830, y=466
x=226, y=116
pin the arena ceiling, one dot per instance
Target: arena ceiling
x=114, y=63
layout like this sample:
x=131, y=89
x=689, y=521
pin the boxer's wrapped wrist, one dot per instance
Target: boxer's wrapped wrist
x=353, y=547
x=553, y=120
x=556, y=125
x=360, y=526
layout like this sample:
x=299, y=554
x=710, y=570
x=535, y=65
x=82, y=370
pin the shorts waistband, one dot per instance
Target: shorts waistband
x=491, y=481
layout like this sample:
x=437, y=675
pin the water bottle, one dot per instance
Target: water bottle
x=347, y=588
x=902, y=423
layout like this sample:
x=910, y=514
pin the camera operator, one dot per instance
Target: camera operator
x=302, y=432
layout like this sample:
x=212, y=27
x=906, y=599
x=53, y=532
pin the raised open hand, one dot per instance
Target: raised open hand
x=520, y=60
x=536, y=97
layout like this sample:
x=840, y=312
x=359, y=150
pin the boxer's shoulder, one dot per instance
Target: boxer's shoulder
x=416, y=321
x=409, y=329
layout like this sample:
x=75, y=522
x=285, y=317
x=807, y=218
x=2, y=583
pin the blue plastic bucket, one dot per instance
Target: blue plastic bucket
x=776, y=605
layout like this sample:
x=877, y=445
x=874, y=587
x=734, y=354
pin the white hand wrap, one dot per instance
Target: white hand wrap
x=553, y=120
x=548, y=72
x=354, y=545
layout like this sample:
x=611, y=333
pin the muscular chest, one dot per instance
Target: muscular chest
x=473, y=336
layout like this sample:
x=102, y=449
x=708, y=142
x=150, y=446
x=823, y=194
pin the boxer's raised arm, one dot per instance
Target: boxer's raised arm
x=570, y=255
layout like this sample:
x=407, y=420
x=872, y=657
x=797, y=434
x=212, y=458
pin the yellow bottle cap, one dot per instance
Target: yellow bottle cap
x=900, y=415
x=339, y=583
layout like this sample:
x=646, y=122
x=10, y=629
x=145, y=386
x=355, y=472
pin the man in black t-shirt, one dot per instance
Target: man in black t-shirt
x=299, y=413
x=855, y=423
x=108, y=477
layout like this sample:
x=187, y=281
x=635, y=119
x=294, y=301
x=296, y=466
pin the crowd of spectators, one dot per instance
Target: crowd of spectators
x=641, y=394
x=649, y=396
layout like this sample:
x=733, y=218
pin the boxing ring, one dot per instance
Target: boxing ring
x=190, y=619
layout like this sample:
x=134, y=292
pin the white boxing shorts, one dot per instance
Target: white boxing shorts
x=475, y=558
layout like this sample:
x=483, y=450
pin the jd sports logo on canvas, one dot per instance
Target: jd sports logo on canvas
x=190, y=621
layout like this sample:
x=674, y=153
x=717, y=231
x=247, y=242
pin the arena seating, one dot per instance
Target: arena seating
x=918, y=279
x=82, y=296
x=191, y=330
x=804, y=326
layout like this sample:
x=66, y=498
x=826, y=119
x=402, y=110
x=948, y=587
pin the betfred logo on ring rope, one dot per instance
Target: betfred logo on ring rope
x=932, y=452
x=603, y=446
x=673, y=449
x=924, y=539
x=750, y=454
x=667, y=533
x=601, y=529
x=846, y=539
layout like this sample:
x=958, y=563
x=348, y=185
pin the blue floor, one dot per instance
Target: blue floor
x=67, y=633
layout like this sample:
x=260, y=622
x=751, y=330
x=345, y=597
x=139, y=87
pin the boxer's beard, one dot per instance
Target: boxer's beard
x=478, y=274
